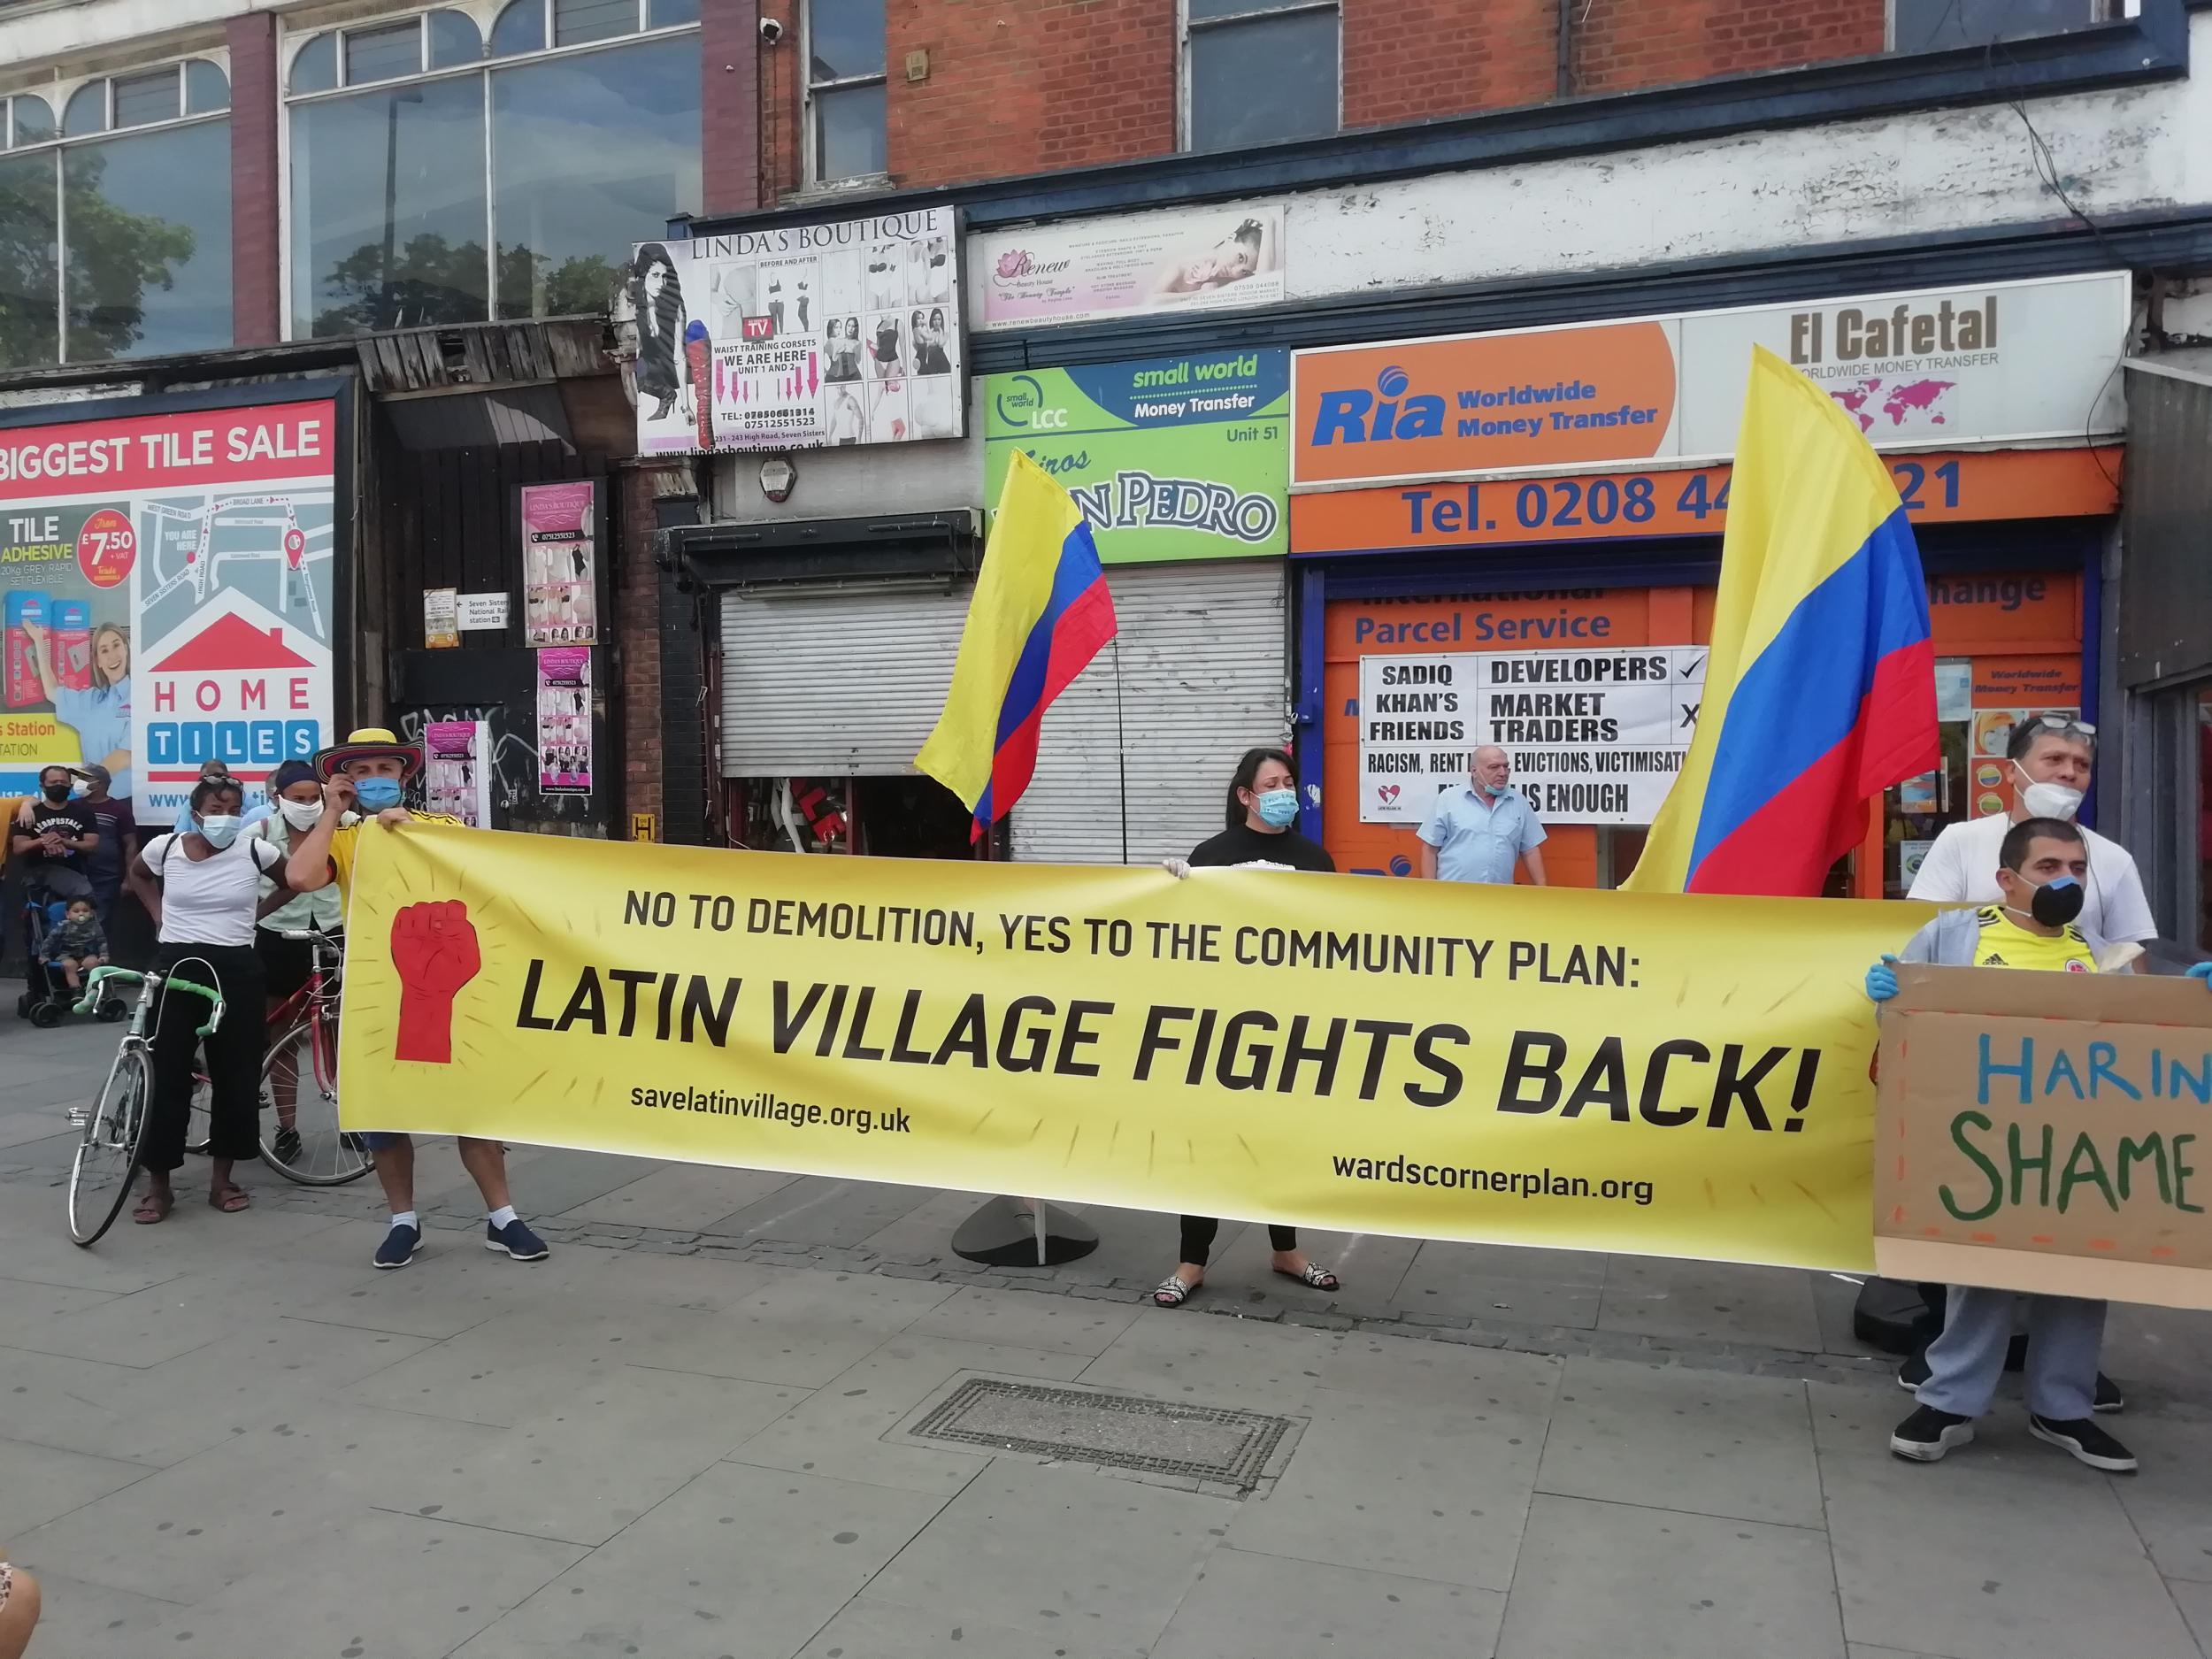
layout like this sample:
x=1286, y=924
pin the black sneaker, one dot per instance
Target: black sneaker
x=398, y=1248
x=1913, y=1372
x=517, y=1240
x=285, y=1146
x=1928, y=1434
x=2109, y=1396
x=2087, y=1443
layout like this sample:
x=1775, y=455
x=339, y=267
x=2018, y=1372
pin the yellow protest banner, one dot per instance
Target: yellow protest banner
x=1646, y=1073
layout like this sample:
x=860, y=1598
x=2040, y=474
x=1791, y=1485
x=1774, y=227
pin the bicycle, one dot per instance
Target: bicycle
x=307, y=1145
x=114, y=1124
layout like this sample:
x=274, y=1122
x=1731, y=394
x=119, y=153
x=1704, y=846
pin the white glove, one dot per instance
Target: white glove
x=1179, y=868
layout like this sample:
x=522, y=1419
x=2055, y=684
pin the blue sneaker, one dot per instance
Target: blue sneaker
x=517, y=1240
x=398, y=1248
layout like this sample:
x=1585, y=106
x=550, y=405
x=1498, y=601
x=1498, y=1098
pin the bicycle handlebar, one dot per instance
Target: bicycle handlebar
x=98, y=975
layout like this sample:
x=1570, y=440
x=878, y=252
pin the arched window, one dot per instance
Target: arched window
x=88, y=110
x=520, y=29
x=315, y=65
x=33, y=118
x=454, y=40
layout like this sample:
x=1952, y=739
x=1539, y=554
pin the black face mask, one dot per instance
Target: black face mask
x=2057, y=902
x=56, y=793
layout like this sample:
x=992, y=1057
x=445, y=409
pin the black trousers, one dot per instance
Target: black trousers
x=1198, y=1237
x=233, y=1054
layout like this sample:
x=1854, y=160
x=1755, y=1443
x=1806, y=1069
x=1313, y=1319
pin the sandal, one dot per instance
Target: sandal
x=1171, y=1292
x=230, y=1201
x=153, y=1208
x=1319, y=1278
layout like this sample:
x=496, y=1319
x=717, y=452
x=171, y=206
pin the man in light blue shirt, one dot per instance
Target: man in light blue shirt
x=1478, y=830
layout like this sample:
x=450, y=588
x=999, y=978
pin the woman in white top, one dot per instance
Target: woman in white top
x=203, y=888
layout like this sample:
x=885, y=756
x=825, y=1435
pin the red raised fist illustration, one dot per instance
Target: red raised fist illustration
x=434, y=952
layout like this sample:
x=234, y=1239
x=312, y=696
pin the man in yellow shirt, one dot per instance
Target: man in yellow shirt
x=2043, y=864
x=368, y=773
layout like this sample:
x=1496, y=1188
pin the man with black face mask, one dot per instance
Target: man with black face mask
x=2042, y=864
x=52, y=845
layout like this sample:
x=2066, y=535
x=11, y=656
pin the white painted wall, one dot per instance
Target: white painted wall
x=1940, y=171
x=941, y=475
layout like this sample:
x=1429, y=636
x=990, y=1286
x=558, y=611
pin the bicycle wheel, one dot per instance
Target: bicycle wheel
x=107, y=1158
x=301, y=1076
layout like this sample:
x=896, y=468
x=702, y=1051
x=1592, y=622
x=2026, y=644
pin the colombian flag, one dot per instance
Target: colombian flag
x=1820, y=691
x=1041, y=612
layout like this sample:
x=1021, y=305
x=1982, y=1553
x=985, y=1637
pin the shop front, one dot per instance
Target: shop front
x=1514, y=539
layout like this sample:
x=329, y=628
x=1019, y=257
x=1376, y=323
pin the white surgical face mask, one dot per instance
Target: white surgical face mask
x=2048, y=800
x=301, y=815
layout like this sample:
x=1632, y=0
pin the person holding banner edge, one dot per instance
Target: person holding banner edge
x=2042, y=864
x=2054, y=760
x=1262, y=806
x=368, y=770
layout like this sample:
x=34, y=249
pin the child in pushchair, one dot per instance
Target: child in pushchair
x=66, y=943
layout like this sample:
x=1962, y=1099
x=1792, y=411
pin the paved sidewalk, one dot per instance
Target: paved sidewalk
x=699, y=1430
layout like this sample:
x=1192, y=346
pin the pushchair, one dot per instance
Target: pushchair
x=46, y=999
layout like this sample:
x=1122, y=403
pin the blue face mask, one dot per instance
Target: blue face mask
x=1277, y=808
x=221, y=829
x=375, y=794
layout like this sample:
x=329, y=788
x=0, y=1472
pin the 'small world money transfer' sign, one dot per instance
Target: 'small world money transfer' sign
x=1595, y=737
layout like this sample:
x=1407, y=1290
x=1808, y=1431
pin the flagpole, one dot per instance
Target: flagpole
x=1121, y=752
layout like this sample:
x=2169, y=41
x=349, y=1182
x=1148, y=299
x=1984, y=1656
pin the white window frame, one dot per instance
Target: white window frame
x=57, y=96
x=1185, y=27
x=811, y=145
x=294, y=42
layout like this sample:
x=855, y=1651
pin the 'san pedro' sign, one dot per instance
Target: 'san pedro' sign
x=2047, y=1131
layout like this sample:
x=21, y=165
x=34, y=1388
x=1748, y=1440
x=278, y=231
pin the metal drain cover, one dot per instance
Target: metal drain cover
x=1119, y=1431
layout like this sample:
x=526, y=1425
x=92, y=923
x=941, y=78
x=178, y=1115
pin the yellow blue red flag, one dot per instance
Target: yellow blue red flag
x=1820, y=691
x=1040, y=613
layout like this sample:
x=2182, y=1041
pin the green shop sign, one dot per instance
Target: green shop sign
x=1169, y=458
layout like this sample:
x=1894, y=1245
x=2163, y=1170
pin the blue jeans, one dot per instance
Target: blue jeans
x=2064, y=1335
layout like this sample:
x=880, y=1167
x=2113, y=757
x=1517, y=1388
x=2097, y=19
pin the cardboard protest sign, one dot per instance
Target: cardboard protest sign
x=2047, y=1132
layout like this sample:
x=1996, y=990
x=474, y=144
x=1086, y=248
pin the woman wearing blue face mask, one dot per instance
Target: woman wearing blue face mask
x=1262, y=806
x=204, y=889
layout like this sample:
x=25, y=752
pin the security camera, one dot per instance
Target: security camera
x=771, y=32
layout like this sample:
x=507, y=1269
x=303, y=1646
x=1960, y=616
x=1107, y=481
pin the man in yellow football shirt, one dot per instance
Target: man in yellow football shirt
x=368, y=773
x=2042, y=863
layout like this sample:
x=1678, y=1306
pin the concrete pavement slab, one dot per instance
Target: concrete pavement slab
x=1481, y=1382
x=871, y=1628
x=23, y=1302
x=708, y=1282
x=2195, y=1602
x=83, y=1406
x=1596, y=1580
x=374, y=1583
x=838, y=1431
x=39, y=1484
x=149, y=1326
x=2007, y=1549
x=583, y=1473
x=35, y=1245
x=684, y=1196
x=1670, y=1438
x=1411, y=1489
x=1262, y=1607
x=1711, y=1302
x=38, y=1123
x=1026, y=1319
x=1467, y=1280
x=818, y=1210
x=2159, y=1353
x=453, y=1284
x=1863, y=1650
x=1060, y=1551
x=740, y=1564
x=2170, y=1500
x=188, y=1532
x=796, y=1329
x=1180, y=1355
x=547, y=1180
x=523, y=1364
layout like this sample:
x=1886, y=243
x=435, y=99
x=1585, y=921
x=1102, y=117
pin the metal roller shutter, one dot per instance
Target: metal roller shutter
x=840, y=686
x=1203, y=676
